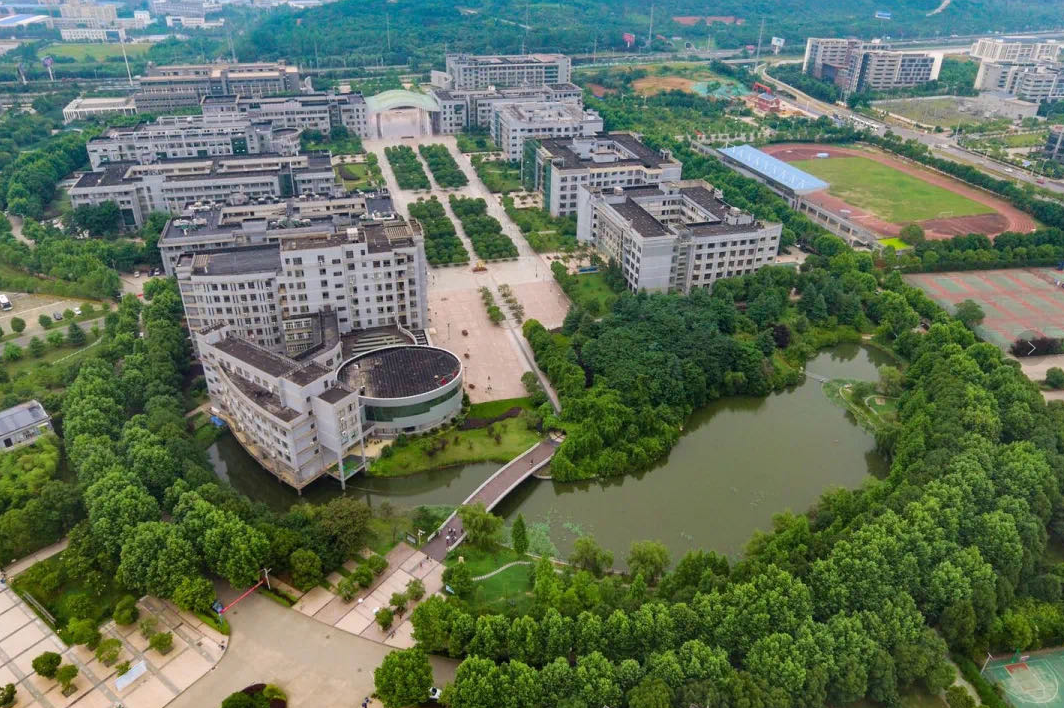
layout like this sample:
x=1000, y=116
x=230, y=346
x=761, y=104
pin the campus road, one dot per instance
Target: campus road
x=318, y=666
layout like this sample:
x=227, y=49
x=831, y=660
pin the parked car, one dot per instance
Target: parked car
x=136, y=274
x=77, y=312
x=57, y=316
x=156, y=272
x=434, y=694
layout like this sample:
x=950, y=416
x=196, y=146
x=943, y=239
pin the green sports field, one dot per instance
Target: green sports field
x=888, y=193
x=97, y=50
x=1030, y=681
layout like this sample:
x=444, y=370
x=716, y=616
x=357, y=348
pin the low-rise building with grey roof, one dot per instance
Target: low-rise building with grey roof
x=675, y=236
x=22, y=424
x=560, y=167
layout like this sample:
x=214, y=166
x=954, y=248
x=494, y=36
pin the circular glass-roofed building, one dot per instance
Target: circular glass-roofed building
x=405, y=388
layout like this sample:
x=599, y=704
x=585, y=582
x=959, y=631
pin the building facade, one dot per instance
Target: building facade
x=1054, y=149
x=1004, y=49
x=206, y=226
x=108, y=35
x=467, y=72
x=559, y=167
x=82, y=108
x=1029, y=82
x=176, y=137
x=856, y=66
x=461, y=109
x=22, y=424
x=513, y=123
x=674, y=236
x=165, y=88
x=169, y=185
x=311, y=111
x=369, y=275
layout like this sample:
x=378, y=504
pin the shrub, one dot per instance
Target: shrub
x=7, y=696
x=123, y=667
x=363, y=575
x=306, y=569
x=399, y=600
x=162, y=642
x=47, y=664
x=83, y=631
x=385, y=617
x=415, y=589
x=1055, y=377
x=66, y=675
x=108, y=651
x=126, y=611
x=148, y=626
x=348, y=588
x=239, y=700
x=273, y=692
x=377, y=564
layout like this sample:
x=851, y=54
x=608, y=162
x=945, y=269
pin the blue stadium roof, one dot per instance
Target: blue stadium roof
x=776, y=170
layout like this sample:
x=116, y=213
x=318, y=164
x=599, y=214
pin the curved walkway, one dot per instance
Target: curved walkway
x=499, y=570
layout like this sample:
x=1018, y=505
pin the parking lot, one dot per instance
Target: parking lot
x=30, y=306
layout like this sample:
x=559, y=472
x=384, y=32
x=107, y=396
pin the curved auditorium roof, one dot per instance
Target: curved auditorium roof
x=399, y=98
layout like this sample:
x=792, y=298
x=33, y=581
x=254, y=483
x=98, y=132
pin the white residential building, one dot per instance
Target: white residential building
x=513, y=123
x=22, y=424
x=1017, y=50
x=470, y=72
x=559, y=167
x=82, y=108
x=674, y=236
x=168, y=185
x=108, y=35
x=1030, y=82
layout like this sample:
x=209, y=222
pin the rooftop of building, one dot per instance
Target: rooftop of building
x=238, y=260
x=23, y=415
x=105, y=102
x=335, y=394
x=604, y=146
x=200, y=168
x=400, y=372
x=545, y=111
x=640, y=219
x=707, y=213
x=275, y=365
x=772, y=168
x=501, y=59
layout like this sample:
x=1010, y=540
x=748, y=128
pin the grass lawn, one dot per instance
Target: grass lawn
x=897, y=243
x=355, y=175
x=470, y=142
x=98, y=51
x=50, y=356
x=70, y=598
x=913, y=698
x=592, y=286
x=499, y=176
x=888, y=193
x=506, y=592
x=544, y=233
x=463, y=447
x=490, y=409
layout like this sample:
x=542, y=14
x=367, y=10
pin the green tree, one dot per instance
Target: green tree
x=590, y=556
x=385, y=617
x=76, y=335
x=958, y=697
x=162, y=642
x=18, y=325
x=44, y=321
x=83, y=631
x=126, y=611
x=403, y=678
x=650, y=693
x=649, y=559
x=12, y=352
x=459, y=579
x=399, y=600
x=346, y=520
x=519, y=536
x=969, y=313
x=7, y=696
x=55, y=339
x=108, y=651
x=306, y=569
x=1055, y=377
x=415, y=589
x=481, y=526
x=46, y=664
x=194, y=594
x=156, y=558
x=36, y=347
x=239, y=700
x=912, y=234
x=66, y=675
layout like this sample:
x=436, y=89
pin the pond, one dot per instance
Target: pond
x=739, y=462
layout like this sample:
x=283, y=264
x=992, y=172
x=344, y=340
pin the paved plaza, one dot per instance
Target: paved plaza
x=24, y=636
x=495, y=358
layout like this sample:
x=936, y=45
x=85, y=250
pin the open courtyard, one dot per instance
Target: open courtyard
x=494, y=355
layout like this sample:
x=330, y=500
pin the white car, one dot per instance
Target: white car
x=77, y=312
x=434, y=694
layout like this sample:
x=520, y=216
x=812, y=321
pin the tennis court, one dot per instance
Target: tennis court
x=1017, y=302
x=1030, y=680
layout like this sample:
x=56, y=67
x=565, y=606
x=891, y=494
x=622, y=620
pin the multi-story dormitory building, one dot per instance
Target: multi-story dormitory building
x=466, y=72
x=316, y=341
x=169, y=185
x=165, y=88
x=559, y=167
x=203, y=226
x=174, y=137
x=310, y=111
x=674, y=236
x=855, y=66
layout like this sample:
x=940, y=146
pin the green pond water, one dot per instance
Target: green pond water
x=740, y=461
